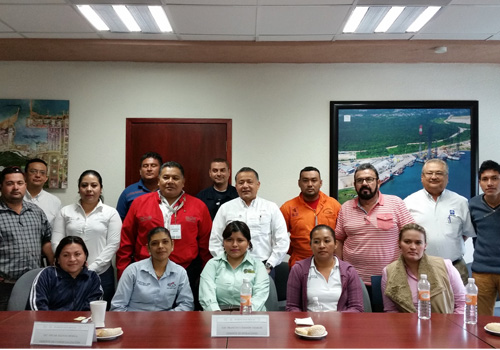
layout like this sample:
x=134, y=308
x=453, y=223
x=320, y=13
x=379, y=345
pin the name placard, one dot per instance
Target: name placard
x=240, y=325
x=63, y=334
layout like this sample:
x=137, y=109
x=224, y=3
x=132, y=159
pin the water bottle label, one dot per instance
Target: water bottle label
x=470, y=299
x=245, y=300
x=424, y=295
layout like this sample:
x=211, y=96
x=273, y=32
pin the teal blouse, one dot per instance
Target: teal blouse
x=220, y=284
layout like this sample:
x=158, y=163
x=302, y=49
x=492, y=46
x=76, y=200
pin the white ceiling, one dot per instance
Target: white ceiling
x=250, y=20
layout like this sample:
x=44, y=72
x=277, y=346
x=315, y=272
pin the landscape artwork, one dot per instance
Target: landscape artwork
x=36, y=129
x=397, y=138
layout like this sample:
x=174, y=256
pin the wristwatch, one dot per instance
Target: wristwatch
x=269, y=266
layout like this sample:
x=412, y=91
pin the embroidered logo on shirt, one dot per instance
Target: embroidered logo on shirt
x=295, y=212
x=141, y=283
x=248, y=271
x=145, y=218
x=171, y=285
x=191, y=218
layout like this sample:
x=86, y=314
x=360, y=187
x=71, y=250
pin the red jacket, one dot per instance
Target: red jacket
x=145, y=214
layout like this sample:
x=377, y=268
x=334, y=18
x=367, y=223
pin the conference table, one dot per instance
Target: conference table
x=193, y=330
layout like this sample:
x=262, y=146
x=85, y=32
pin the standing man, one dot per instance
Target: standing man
x=368, y=226
x=186, y=217
x=485, y=213
x=36, y=177
x=312, y=207
x=149, y=171
x=24, y=233
x=444, y=214
x=267, y=227
x=221, y=191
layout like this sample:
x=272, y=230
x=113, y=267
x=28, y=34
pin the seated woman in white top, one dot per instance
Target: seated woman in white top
x=98, y=224
x=154, y=284
x=223, y=275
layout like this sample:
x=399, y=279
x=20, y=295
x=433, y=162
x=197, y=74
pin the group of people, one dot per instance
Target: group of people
x=226, y=234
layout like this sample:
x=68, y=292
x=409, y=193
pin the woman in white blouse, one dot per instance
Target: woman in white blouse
x=98, y=224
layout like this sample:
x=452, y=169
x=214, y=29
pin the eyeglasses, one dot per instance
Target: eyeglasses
x=35, y=171
x=432, y=173
x=368, y=180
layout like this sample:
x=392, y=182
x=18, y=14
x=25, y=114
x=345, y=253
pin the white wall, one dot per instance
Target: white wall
x=280, y=112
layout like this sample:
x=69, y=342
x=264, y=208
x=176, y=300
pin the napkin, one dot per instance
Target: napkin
x=304, y=321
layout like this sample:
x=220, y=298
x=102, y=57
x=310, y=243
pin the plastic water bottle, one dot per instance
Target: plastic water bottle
x=316, y=306
x=246, y=297
x=470, y=316
x=424, y=298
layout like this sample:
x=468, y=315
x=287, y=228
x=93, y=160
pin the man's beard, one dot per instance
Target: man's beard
x=369, y=195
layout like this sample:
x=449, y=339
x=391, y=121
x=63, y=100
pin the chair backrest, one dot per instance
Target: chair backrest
x=272, y=299
x=377, y=301
x=367, y=305
x=21, y=291
x=281, y=279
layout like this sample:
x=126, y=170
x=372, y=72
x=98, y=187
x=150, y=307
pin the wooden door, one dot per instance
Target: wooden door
x=191, y=142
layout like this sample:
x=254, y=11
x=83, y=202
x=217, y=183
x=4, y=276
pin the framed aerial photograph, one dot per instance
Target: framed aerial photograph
x=397, y=137
x=36, y=129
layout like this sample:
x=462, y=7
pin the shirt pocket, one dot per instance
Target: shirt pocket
x=453, y=226
x=385, y=221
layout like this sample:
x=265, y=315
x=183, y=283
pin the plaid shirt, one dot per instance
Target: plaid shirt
x=21, y=239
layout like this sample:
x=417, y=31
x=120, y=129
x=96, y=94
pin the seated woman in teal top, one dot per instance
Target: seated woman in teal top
x=223, y=275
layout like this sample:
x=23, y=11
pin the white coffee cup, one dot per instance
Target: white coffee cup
x=98, y=310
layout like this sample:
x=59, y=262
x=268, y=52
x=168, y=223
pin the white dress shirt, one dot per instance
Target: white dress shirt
x=100, y=231
x=268, y=230
x=445, y=221
x=46, y=201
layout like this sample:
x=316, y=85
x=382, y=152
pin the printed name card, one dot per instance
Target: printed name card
x=240, y=325
x=63, y=334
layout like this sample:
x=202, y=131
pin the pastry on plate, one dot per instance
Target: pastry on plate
x=493, y=326
x=313, y=331
x=108, y=332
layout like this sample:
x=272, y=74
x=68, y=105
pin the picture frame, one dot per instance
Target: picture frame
x=397, y=137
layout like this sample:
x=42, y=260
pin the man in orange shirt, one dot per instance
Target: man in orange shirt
x=310, y=208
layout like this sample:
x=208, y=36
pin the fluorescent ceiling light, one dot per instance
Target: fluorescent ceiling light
x=160, y=18
x=92, y=17
x=126, y=17
x=355, y=19
x=389, y=19
x=423, y=18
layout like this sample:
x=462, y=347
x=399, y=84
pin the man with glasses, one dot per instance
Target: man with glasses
x=24, y=233
x=368, y=226
x=36, y=177
x=485, y=213
x=444, y=214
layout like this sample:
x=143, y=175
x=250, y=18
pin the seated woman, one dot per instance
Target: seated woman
x=400, y=278
x=223, y=275
x=154, y=284
x=69, y=285
x=334, y=282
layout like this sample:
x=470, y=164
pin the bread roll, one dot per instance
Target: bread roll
x=493, y=326
x=316, y=330
x=313, y=331
x=108, y=332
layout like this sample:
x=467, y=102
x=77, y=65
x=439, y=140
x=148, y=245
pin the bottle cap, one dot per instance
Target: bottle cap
x=471, y=280
x=423, y=276
x=315, y=298
x=246, y=280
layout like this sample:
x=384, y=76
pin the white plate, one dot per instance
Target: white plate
x=112, y=337
x=312, y=336
x=490, y=331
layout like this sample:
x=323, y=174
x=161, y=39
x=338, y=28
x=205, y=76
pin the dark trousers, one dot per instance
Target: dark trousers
x=108, y=285
x=5, y=292
x=194, y=271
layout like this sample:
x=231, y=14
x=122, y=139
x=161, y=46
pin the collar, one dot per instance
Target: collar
x=429, y=196
x=148, y=268
x=380, y=201
x=29, y=196
x=61, y=274
x=176, y=205
x=252, y=203
x=99, y=206
x=5, y=207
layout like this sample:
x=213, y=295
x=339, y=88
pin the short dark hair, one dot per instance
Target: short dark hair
x=237, y=226
x=66, y=241
x=156, y=230
x=309, y=168
x=172, y=164
x=219, y=160
x=319, y=227
x=34, y=160
x=366, y=166
x=10, y=170
x=246, y=169
x=412, y=226
x=153, y=155
x=488, y=165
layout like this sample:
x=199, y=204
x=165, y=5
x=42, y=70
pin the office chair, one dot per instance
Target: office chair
x=367, y=305
x=376, y=301
x=21, y=291
x=272, y=299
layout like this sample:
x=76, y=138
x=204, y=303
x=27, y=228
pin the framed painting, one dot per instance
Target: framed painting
x=36, y=129
x=397, y=137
